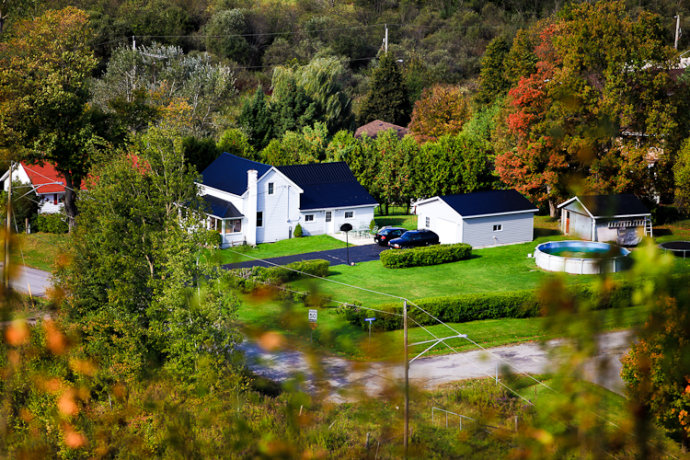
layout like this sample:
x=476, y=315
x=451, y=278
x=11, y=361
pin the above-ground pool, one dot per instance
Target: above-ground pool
x=678, y=248
x=581, y=257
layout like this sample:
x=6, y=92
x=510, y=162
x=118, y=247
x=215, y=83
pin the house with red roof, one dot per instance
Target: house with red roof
x=48, y=184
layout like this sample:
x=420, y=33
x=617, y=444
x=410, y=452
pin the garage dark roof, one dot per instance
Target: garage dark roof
x=489, y=202
x=327, y=185
x=221, y=208
x=229, y=173
x=624, y=204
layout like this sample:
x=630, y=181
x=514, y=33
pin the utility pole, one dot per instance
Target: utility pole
x=406, y=414
x=385, y=40
x=134, y=43
x=8, y=229
x=675, y=44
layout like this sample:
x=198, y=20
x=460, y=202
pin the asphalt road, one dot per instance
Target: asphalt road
x=358, y=254
x=31, y=281
x=343, y=375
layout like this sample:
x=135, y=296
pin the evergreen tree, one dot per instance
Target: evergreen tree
x=387, y=99
x=256, y=121
x=492, y=82
x=520, y=60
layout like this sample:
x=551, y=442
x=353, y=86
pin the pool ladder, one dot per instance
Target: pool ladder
x=648, y=227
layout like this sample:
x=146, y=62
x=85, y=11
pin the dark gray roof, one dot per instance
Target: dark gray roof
x=229, y=173
x=221, y=208
x=489, y=202
x=327, y=185
x=624, y=204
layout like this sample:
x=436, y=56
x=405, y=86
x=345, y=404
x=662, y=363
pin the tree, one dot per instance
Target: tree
x=224, y=35
x=135, y=289
x=235, y=141
x=441, y=110
x=492, y=80
x=324, y=81
x=143, y=86
x=255, y=120
x=44, y=115
x=295, y=110
x=394, y=170
x=681, y=174
x=307, y=146
x=521, y=61
x=387, y=99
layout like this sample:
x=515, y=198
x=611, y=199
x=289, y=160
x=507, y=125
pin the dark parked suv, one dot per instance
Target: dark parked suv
x=414, y=238
x=388, y=233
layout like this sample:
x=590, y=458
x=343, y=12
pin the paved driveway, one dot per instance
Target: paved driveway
x=31, y=281
x=358, y=254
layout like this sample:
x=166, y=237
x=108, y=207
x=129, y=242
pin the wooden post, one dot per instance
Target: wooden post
x=6, y=268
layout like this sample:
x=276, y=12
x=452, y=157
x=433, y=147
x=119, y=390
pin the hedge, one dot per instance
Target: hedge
x=249, y=279
x=428, y=255
x=473, y=307
x=52, y=223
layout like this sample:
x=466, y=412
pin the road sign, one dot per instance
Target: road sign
x=313, y=315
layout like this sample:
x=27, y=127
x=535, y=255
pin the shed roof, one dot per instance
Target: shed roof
x=373, y=128
x=327, y=185
x=229, y=173
x=615, y=205
x=491, y=202
x=221, y=208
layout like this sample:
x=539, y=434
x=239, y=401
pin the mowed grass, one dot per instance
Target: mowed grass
x=336, y=336
x=278, y=249
x=505, y=268
x=39, y=250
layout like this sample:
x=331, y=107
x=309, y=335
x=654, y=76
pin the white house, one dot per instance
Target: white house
x=250, y=202
x=46, y=182
x=480, y=219
x=618, y=218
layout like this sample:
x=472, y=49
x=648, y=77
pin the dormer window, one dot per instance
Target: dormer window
x=270, y=188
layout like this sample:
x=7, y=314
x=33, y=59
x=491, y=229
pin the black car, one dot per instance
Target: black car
x=388, y=233
x=414, y=238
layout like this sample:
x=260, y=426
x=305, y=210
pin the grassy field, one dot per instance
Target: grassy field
x=39, y=250
x=277, y=249
x=335, y=335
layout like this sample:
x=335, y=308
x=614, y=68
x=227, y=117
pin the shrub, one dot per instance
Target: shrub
x=214, y=239
x=372, y=225
x=473, y=307
x=249, y=279
x=429, y=255
x=298, y=231
x=52, y=223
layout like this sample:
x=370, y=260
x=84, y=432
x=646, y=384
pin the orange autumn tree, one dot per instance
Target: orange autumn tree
x=441, y=110
x=536, y=164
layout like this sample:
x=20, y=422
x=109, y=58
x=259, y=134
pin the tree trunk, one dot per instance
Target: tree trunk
x=70, y=200
x=553, y=210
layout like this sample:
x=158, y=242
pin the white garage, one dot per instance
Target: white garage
x=480, y=219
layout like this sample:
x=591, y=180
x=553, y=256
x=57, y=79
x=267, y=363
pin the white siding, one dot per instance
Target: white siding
x=47, y=203
x=280, y=209
x=360, y=220
x=443, y=221
x=237, y=201
x=515, y=228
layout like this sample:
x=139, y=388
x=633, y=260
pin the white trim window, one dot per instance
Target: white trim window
x=498, y=227
x=428, y=222
x=270, y=188
x=349, y=214
x=309, y=217
x=329, y=216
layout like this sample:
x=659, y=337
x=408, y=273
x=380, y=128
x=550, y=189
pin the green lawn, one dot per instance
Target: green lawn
x=504, y=268
x=39, y=250
x=277, y=249
x=397, y=220
x=335, y=335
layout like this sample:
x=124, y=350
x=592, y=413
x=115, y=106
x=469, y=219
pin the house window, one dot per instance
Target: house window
x=270, y=188
x=233, y=226
x=349, y=214
x=308, y=217
x=55, y=199
x=329, y=216
x=428, y=222
x=259, y=219
x=498, y=227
